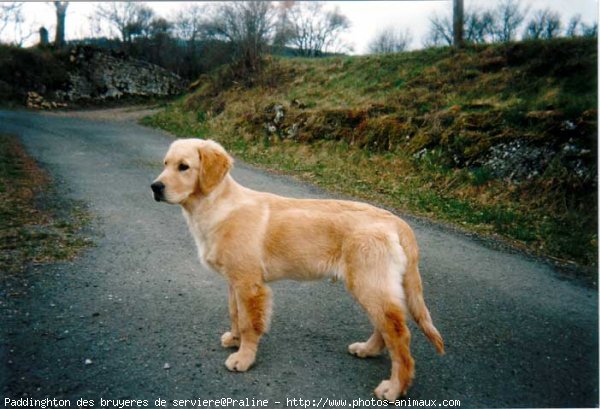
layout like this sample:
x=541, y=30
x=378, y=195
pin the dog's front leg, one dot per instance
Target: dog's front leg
x=231, y=339
x=253, y=301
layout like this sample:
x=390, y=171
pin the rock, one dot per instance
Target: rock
x=292, y=132
x=518, y=160
x=167, y=366
x=296, y=103
x=279, y=114
x=102, y=74
x=569, y=125
x=420, y=154
x=36, y=101
x=98, y=74
x=88, y=362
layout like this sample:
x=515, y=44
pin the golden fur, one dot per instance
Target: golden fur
x=252, y=238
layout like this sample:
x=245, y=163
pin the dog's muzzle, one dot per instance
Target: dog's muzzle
x=158, y=188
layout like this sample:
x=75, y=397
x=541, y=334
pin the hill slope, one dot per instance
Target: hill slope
x=499, y=139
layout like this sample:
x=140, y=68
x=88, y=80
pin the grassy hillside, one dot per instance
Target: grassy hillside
x=498, y=139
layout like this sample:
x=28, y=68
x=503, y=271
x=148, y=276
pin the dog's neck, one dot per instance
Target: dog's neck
x=200, y=209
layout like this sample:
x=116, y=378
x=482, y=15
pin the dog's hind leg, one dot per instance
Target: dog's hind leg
x=397, y=339
x=254, y=309
x=231, y=339
x=374, y=266
x=388, y=316
x=372, y=347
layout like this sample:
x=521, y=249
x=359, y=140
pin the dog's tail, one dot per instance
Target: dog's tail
x=413, y=288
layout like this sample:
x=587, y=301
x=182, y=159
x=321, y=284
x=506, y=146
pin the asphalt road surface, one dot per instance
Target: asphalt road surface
x=137, y=317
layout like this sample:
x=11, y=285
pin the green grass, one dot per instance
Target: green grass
x=412, y=131
x=35, y=227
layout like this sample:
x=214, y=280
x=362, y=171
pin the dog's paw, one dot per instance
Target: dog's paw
x=229, y=341
x=361, y=350
x=389, y=390
x=239, y=361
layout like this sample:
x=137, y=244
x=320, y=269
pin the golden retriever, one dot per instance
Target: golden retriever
x=252, y=238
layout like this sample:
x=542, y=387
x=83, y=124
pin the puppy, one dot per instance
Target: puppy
x=252, y=238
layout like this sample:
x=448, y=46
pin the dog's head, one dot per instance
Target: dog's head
x=193, y=168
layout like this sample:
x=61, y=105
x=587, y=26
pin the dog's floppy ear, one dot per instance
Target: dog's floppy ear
x=215, y=162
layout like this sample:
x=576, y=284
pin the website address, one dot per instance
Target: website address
x=356, y=403
x=318, y=403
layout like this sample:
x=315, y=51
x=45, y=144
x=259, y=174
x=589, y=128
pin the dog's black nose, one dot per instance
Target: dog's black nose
x=158, y=188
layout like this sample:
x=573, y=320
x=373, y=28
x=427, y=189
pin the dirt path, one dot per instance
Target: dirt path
x=106, y=325
x=130, y=113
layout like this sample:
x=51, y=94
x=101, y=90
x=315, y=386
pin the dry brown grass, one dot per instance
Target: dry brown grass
x=32, y=230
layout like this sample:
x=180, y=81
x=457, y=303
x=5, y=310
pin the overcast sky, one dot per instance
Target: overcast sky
x=367, y=17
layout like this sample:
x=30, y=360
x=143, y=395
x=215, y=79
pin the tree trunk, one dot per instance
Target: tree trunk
x=61, y=13
x=458, y=19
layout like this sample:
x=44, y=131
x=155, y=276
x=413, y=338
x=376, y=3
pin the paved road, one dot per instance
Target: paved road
x=516, y=333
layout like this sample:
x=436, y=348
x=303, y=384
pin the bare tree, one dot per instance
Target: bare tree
x=478, y=26
x=159, y=27
x=544, y=24
x=440, y=32
x=94, y=26
x=283, y=31
x=116, y=15
x=248, y=25
x=61, y=14
x=12, y=16
x=188, y=23
x=574, y=25
x=508, y=17
x=127, y=18
x=313, y=30
x=390, y=40
x=144, y=23
x=589, y=30
x=458, y=23
x=10, y=13
x=578, y=28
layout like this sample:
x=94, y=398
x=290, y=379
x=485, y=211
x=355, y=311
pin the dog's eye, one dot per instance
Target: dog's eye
x=183, y=167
